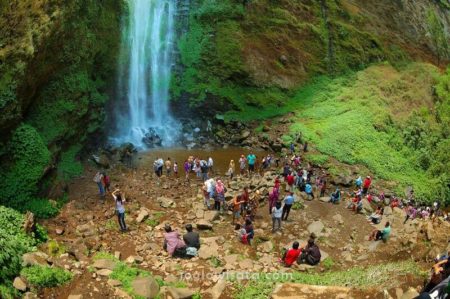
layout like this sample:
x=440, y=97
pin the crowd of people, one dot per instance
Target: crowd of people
x=296, y=176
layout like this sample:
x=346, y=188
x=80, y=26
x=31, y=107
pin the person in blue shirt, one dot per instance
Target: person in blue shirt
x=308, y=190
x=288, y=202
x=251, y=159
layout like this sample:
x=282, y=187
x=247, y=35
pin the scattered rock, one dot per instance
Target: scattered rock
x=75, y=297
x=430, y=232
x=203, y=224
x=265, y=247
x=211, y=215
x=166, y=202
x=143, y=214
x=316, y=227
x=59, y=231
x=34, y=258
x=19, y=284
x=338, y=218
x=114, y=283
x=104, y=264
x=121, y=294
x=104, y=272
x=366, y=206
x=146, y=287
x=324, y=199
x=180, y=293
x=217, y=290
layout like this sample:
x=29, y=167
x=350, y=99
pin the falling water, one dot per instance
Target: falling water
x=144, y=80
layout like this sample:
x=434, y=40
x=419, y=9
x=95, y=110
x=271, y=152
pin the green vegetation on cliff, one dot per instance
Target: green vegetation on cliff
x=53, y=92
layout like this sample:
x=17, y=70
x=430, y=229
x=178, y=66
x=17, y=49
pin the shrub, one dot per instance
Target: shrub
x=13, y=243
x=44, y=276
x=41, y=208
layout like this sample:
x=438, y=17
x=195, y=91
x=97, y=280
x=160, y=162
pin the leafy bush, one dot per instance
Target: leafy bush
x=44, y=276
x=126, y=274
x=13, y=243
x=41, y=208
x=328, y=263
x=29, y=157
x=68, y=166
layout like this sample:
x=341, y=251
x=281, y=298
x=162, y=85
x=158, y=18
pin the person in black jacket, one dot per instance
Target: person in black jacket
x=310, y=254
x=191, y=238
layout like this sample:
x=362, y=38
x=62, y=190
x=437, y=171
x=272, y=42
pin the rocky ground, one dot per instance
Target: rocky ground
x=86, y=226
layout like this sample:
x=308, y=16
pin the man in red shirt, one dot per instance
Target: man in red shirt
x=366, y=184
x=292, y=254
x=290, y=181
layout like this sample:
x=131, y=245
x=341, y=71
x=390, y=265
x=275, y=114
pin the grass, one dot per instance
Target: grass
x=155, y=219
x=44, y=276
x=126, y=275
x=378, y=275
x=55, y=249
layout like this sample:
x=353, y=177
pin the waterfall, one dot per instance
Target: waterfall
x=145, y=73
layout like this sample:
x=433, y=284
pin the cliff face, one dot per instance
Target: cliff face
x=250, y=55
x=57, y=60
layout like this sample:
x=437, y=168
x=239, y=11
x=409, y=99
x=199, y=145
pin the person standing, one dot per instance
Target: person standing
x=366, y=184
x=242, y=164
x=236, y=208
x=251, y=158
x=187, y=169
x=119, y=198
x=98, y=179
x=273, y=198
x=175, y=169
x=220, y=195
x=211, y=165
x=231, y=169
x=292, y=148
x=288, y=202
x=106, y=182
x=277, y=212
x=168, y=165
x=309, y=191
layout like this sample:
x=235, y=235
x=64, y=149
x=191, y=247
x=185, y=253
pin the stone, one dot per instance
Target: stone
x=29, y=225
x=297, y=290
x=180, y=293
x=86, y=230
x=34, y=258
x=104, y=272
x=316, y=227
x=75, y=297
x=146, y=287
x=410, y=294
x=117, y=255
x=246, y=264
x=366, y=206
x=211, y=215
x=59, y=231
x=143, y=214
x=387, y=211
x=217, y=290
x=245, y=134
x=19, y=284
x=338, y=218
x=429, y=230
x=203, y=224
x=29, y=295
x=130, y=260
x=324, y=199
x=265, y=247
x=104, y=264
x=165, y=202
x=121, y=294
x=114, y=283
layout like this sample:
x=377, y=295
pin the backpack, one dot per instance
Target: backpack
x=98, y=177
x=106, y=179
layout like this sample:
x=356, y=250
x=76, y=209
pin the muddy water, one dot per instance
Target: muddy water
x=221, y=157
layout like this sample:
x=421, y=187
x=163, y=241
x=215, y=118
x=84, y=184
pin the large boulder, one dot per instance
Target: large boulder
x=180, y=293
x=265, y=247
x=217, y=290
x=316, y=227
x=19, y=284
x=366, y=206
x=204, y=224
x=146, y=287
x=211, y=215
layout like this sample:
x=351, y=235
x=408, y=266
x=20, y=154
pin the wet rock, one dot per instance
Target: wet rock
x=101, y=160
x=19, y=284
x=146, y=287
x=104, y=264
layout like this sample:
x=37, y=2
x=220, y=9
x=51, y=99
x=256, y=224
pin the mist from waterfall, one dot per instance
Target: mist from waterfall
x=145, y=73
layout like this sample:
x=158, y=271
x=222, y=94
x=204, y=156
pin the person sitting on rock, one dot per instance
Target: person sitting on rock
x=173, y=244
x=381, y=234
x=250, y=232
x=192, y=241
x=310, y=254
x=336, y=196
x=291, y=255
x=376, y=216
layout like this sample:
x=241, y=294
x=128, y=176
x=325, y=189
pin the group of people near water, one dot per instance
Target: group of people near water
x=244, y=206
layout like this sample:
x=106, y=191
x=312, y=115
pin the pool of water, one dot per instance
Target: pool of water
x=221, y=157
